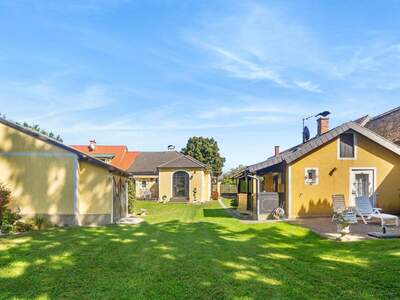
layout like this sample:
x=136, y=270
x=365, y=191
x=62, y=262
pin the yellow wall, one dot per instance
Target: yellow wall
x=197, y=179
x=242, y=202
x=307, y=200
x=39, y=175
x=15, y=141
x=95, y=189
x=151, y=184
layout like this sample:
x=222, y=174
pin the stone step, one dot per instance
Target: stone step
x=130, y=220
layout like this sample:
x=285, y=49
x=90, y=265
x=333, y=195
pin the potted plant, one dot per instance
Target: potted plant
x=343, y=219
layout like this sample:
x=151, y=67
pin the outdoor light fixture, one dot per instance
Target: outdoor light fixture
x=306, y=131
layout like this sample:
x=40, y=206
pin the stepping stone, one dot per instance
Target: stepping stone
x=130, y=221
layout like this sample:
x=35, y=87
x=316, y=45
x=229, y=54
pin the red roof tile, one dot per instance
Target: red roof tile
x=122, y=159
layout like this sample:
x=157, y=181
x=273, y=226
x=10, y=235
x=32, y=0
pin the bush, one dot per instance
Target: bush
x=5, y=196
x=10, y=217
x=20, y=226
x=235, y=202
x=6, y=227
x=40, y=222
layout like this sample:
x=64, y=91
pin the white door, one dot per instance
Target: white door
x=362, y=185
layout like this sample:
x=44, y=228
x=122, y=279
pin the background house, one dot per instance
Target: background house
x=171, y=176
x=61, y=183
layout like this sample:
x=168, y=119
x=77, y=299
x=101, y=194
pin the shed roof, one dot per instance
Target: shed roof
x=81, y=155
x=301, y=150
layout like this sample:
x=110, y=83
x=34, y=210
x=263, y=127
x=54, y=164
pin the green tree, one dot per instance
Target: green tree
x=205, y=150
x=228, y=176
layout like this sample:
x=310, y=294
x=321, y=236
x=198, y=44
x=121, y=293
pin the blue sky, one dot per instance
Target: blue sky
x=152, y=73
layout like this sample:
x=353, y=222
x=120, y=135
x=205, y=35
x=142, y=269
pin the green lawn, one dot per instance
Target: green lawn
x=186, y=251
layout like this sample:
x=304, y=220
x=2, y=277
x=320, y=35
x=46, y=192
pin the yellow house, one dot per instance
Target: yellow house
x=170, y=176
x=349, y=159
x=65, y=185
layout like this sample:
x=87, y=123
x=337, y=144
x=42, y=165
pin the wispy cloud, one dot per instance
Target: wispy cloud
x=242, y=68
x=267, y=45
x=45, y=102
x=308, y=86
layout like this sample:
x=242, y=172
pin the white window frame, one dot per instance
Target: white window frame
x=145, y=184
x=307, y=181
x=355, y=148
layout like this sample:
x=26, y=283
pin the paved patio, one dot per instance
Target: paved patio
x=325, y=227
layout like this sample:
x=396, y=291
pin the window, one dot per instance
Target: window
x=311, y=176
x=347, y=146
x=144, y=184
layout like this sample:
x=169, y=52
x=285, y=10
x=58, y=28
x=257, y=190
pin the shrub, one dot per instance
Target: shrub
x=10, y=217
x=235, y=202
x=40, y=222
x=5, y=195
x=6, y=227
x=20, y=226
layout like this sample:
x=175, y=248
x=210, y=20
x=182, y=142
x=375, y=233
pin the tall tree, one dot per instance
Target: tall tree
x=205, y=150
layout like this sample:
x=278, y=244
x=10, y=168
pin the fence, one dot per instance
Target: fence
x=228, y=189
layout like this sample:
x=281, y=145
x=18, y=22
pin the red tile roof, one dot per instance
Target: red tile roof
x=122, y=159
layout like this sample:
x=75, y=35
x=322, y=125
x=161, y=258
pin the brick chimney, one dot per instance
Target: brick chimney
x=323, y=125
x=92, y=145
x=277, y=150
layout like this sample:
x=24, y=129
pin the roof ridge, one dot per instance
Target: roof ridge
x=171, y=160
x=322, y=140
x=385, y=113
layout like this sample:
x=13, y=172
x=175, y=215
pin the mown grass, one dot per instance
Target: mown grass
x=195, y=252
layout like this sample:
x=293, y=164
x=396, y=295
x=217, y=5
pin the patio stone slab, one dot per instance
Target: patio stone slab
x=326, y=228
x=381, y=235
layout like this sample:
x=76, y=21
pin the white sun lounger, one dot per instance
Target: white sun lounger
x=365, y=210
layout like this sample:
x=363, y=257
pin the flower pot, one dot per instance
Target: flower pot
x=343, y=228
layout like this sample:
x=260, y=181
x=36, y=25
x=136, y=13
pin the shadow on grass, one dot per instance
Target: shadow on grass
x=199, y=260
x=215, y=213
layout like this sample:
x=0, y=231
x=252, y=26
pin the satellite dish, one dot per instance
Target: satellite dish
x=306, y=134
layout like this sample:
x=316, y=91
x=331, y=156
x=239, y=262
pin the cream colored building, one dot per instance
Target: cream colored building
x=170, y=176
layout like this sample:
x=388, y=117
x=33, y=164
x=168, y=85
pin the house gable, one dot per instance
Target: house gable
x=333, y=177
